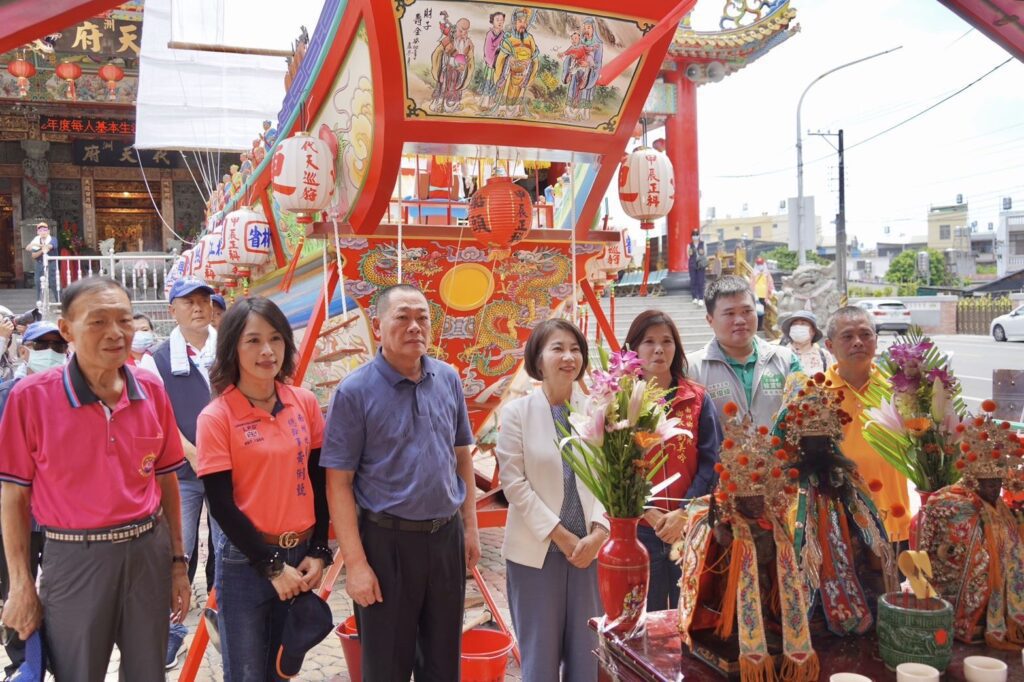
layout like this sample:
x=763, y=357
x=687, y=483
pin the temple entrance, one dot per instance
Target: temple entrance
x=125, y=213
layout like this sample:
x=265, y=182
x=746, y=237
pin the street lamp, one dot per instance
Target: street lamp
x=800, y=152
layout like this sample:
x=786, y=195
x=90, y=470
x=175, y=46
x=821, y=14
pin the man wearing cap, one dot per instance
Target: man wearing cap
x=397, y=444
x=220, y=306
x=42, y=348
x=90, y=449
x=42, y=244
x=183, y=362
x=852, y=338
x=800, y=331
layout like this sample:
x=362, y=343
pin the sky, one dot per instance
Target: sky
x=970, y=145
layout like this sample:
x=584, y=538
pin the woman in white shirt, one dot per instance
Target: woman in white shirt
x=555, y=526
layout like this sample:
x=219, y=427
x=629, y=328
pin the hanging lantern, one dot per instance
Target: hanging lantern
x=246, y=240
x=69, y=72
x=646, y=186
x=22, y=70
x=199, y=257
x=223, y=271
x=501, y=213
x=112, y=74
x=302, y=176
x=207, y=243
x=177, y=271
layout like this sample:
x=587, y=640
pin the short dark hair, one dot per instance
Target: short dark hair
x=224, y=372
x=846, y=312
x=383, y=301
x=539, y=338
x=87, y=285
x=141, y=316
x=727, y=285
x=651, y=318
x=490, y=19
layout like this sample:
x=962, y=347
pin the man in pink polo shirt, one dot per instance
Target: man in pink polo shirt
x=91, y=448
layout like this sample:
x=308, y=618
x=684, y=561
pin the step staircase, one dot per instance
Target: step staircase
x=689, y=318
x=18, y=300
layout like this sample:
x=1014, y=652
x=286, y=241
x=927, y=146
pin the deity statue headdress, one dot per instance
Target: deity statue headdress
x=989, y=449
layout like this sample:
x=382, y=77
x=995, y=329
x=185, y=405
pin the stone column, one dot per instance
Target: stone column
x=35, y=195
x=88, y=209
x=166, y=206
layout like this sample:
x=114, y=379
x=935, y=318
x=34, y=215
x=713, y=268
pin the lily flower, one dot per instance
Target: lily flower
x=888, y=417
x=636, y=402
x=668, y=428
x=589, y=423
x=941, y=404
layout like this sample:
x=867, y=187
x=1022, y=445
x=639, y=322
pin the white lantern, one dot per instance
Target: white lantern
x=246, y=240
x=647, y=186
x=205, y=272
x=177, y=271
x=302, y=176
x=224, y=272
x=186, y=259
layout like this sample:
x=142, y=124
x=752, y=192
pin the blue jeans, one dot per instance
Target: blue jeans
x=250, y=614
x=192, y=496
x=663, y=592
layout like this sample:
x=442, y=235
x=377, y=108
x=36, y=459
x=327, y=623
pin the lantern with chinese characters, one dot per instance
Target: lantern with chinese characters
x=646, y=186
x=177, y=271
x=224, y=272
x=246, y=240
x=69, y=72
x=302, y=176
x=207, y=243
x=501, y=213
x=22, y=70
x=112, y=74
x=199, y=257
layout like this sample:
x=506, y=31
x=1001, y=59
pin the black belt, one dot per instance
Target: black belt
x=395, y=523
x=129, y=531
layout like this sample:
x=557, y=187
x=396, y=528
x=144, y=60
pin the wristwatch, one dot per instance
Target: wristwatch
x=271, y=567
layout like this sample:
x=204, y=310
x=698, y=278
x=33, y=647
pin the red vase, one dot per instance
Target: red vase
x=916, y=520
x=623, y=575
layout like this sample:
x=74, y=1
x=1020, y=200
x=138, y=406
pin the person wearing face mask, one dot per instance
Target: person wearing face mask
x=42, y=348
x=144, y=338
x=801, y=331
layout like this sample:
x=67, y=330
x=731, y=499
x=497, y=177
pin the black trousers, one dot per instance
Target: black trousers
x=418, y=627
x=16, y=649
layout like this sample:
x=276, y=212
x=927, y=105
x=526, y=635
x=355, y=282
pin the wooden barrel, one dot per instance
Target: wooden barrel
x=914, y=631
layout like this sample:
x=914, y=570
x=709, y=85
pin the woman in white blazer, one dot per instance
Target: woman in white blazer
x=555, y=526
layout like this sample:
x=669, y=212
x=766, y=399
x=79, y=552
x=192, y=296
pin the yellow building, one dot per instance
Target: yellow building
x=947, y=227
x=762, y=228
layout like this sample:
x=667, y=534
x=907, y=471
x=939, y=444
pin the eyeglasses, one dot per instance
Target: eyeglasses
x=57, y=346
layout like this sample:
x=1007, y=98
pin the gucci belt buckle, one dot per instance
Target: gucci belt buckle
x=288, y=539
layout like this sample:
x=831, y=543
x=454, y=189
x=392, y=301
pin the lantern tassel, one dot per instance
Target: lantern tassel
x=647, y=268
x=289, y=275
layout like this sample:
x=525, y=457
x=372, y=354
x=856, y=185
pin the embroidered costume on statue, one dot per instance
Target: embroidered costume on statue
x=974, y=541
x=839, y=536
x=740, y=572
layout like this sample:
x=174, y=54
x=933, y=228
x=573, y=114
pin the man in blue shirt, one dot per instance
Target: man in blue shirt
x=397, y=444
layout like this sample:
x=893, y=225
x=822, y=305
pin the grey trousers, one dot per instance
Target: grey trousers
x=550, y=608
x=99, y=594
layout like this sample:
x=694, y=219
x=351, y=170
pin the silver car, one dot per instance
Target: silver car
x=889, y=314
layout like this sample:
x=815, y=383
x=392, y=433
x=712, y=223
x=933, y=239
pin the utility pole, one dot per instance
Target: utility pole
x=841, y=215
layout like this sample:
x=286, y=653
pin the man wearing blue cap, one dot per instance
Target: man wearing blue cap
x=42, y=348
x=183, y=363
x=220, y=306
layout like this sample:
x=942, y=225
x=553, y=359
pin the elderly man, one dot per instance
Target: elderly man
x=42, y=348
x=40, y=246
x=851, y=338
x=737, y=366
x=91, y=449
x=183, y=363
x=397, y=444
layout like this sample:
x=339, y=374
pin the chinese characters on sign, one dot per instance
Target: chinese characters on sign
x=119, y=153
x=86, y=126
x=96, y=37
x=422, y=23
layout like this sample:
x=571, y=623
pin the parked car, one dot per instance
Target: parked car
x=889, y=314
x=1008, y=326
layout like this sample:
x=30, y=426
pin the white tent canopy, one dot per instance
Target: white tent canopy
x=203, y=100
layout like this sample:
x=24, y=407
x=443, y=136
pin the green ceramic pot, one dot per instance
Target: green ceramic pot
x=914, y=631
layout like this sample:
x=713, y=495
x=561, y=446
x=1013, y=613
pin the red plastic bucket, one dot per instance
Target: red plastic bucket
x=351, y=648
x=485, y=655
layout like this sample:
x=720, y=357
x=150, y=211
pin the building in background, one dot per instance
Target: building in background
x=762, y=228
x=1009, y=240
x=946, y=225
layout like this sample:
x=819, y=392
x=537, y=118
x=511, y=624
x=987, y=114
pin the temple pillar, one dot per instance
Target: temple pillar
x=681, y=147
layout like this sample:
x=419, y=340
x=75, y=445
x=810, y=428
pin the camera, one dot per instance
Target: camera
x=26, y=318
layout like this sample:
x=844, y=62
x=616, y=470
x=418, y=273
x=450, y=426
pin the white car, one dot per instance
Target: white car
x=1008, y=326
x=889, y=314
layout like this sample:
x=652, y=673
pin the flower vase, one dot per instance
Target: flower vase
x=916, y=520
x=623, y=575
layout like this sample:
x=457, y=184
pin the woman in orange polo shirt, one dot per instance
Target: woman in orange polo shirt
x=654, y=337
x=258, y=446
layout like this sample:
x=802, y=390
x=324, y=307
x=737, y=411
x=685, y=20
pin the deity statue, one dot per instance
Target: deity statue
x=974, y=540
x=236, y=180
x=839, y=535
x=269, y=135
x=741, y=590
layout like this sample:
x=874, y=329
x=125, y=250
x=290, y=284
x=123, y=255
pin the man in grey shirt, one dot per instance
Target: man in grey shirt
x=397, y=445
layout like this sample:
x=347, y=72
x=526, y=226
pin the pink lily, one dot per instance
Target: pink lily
x=668, y=428
x=888, y=417
x=636, y=402
x=588, y=424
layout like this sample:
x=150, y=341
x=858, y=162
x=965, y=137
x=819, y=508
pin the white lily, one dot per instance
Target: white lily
x=888, y=417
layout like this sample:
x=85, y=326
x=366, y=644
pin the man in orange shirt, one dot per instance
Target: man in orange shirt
x=851, y=338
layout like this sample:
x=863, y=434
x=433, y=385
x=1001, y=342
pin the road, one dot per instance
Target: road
x=974, y=358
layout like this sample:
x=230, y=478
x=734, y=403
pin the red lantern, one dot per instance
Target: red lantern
x=646, y=186
x=112, y=74
x=501, y=213
x=70, y=72
x=302, y=176
x=22, y=70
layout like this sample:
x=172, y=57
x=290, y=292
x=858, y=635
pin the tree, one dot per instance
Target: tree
x=788, y=260
x=903, y=270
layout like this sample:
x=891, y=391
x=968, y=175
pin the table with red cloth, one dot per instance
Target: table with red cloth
x=657, y=657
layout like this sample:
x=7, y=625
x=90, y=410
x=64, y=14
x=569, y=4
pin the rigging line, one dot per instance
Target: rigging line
x=876, y=135
x=194, y=181
x=145, y=180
